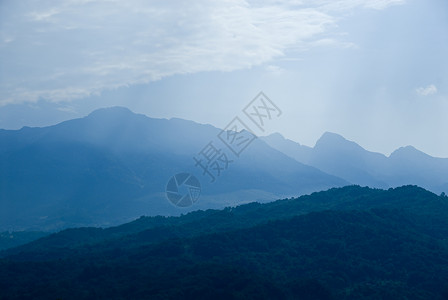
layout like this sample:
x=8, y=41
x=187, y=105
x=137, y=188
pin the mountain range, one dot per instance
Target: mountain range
x=345, y=159
x=113, y=166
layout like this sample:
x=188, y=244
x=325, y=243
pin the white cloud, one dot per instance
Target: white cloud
x=68, y=109
x=59, y=51
x=426, y=91
x=382, y=4
x=325, y=42
x=346, y=5
x=274, y=70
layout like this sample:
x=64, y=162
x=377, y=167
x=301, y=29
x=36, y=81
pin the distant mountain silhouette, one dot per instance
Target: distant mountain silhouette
x=113, y=166
x=335, y=155
x=293, y=149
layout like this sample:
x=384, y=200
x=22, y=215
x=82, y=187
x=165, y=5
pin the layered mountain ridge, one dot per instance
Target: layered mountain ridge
x=340, y=157
x=113, y=166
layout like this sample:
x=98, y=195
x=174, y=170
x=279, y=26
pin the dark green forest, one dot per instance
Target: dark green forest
x=346, y=243
x=9, y=239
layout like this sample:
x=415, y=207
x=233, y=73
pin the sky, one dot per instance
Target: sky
x=374, y=71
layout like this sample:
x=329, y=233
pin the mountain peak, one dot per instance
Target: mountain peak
x=408, y=151
x=274, y=138
x=117, y=111
x=330, y=138
x=113, y=116
x=277, y=135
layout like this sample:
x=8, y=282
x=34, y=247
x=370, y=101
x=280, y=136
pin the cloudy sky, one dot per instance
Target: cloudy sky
x=375, y=71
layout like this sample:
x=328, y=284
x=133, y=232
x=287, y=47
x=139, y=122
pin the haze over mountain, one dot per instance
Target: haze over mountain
x=335, y=155
x=108, y=203
x=113, y=166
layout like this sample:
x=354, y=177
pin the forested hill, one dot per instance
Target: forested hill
x=345, y=243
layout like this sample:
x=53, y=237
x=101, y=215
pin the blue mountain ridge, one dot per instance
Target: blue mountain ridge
x=113, y=166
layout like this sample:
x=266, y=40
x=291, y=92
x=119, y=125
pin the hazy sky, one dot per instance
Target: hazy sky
x=374, y=71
